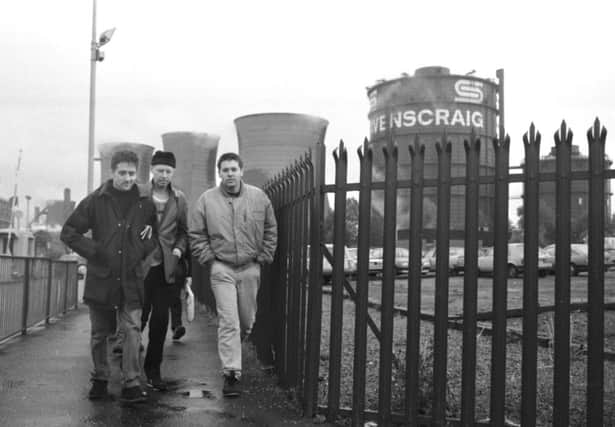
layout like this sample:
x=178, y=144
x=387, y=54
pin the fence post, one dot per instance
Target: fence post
x=413, y=321
x=500, y=281
x=337, y=282
x=49, y=285
x=530, y=277
x=292, y=330
x=388, y=282
x=282, y=292
x=315, y=289
x=596, y=137
x=470, y=280
x=26, y=298
x=561, y=362
x=440, y=346
x=360, y=329
x=66, y=289
x=76, y=295
x=305, y=188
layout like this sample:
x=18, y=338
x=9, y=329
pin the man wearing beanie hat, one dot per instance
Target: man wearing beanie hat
x=166, y=274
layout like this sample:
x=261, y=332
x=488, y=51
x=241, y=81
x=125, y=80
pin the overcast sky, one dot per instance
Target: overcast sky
x=195, y=65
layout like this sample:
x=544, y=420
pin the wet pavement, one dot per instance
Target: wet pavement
x=44, y=381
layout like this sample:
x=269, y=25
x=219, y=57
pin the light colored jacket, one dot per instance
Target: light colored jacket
x=236, y=230
x=172, y=231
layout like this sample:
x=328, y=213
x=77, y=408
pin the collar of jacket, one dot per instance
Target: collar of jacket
x=105, y=189
x=242, y=190
x=150, y=189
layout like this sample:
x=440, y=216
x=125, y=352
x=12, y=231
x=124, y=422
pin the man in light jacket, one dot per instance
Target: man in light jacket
x=233, y=227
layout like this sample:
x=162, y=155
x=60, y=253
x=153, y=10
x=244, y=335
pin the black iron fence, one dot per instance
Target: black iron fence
x=300, y=315
x=33, y=290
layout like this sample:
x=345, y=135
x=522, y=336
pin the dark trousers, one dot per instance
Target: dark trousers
x=158, y=295
x=176, y=308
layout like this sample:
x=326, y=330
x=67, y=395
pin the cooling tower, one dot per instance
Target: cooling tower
x=195, y=154
x=269, y=142
x=427, y=104
x=143, y=151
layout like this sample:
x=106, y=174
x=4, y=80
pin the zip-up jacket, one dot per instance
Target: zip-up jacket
x=172, y=231
x=236, y=230
x=115, y=250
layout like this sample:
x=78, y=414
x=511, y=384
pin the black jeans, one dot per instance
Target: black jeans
x=158, y=296
x=176, y=307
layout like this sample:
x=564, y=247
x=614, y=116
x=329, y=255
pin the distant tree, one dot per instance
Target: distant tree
x=351, y=224
x=546, y=222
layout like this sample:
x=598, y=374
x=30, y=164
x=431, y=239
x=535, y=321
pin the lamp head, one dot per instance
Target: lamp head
x=105, y=37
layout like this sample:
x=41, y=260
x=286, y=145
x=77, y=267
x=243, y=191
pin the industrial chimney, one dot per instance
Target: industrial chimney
x=195, y=154
x=271, y=141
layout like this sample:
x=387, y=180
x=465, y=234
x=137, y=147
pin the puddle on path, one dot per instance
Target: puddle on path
x=197, y=394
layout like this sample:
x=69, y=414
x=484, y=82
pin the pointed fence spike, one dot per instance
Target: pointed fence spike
x=532, y=132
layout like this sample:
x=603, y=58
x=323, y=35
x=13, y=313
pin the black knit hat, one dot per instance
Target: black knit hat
x=163, y=158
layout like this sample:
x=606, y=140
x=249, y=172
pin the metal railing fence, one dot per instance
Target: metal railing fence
x=33, y=290
x=294, y=284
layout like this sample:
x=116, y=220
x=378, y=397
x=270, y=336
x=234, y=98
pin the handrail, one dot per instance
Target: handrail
x=33, y=290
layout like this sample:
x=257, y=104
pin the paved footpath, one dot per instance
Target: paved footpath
x=44, y=380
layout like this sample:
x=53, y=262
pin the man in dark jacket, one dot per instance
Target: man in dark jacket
x=165, y=264
x=121, y=218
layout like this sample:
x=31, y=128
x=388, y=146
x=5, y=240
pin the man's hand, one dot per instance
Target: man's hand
x=177, y=252
x=146, y=233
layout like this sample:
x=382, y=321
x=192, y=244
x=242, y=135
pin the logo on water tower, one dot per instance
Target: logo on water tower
x=469, y=91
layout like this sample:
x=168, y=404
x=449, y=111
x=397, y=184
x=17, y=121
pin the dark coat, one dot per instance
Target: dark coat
x=172, y=232
x=115, y=250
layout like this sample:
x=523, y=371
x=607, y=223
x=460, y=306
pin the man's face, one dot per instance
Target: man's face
x=230, y=174
x=124, y=176
x=162, y=175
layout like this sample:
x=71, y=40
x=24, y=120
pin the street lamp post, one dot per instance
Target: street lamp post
x=95, y=55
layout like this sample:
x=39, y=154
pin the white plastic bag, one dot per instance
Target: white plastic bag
x=187, y=299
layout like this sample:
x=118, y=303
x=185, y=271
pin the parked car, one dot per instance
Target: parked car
x=579, y=258
x=515, y=261
x=350, y=262
x=376, y=260
x=455, y=259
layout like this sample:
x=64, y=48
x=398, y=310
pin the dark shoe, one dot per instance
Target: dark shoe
x=178, y=332
x=156, y=383
x=231, y=386
x=133, y=394
x=98, y=390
